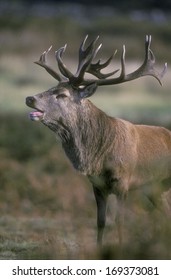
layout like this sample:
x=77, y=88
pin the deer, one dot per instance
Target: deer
x=116, y=155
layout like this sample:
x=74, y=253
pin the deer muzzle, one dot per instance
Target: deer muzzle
x=35, y=115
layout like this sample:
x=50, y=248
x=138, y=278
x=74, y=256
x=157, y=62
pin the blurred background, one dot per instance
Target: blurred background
x=47, y=209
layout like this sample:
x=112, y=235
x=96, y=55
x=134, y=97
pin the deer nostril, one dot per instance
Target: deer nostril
x=30, y=100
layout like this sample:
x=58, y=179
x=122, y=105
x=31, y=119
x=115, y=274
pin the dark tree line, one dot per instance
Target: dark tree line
x=123, y=5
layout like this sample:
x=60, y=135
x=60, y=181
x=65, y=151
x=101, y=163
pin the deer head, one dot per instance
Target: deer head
x=60, y=106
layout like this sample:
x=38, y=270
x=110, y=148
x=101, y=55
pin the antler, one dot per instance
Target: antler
x=43, y=63
x=62, y=67
x=147, y=68
x=85, y=65
x=95, y=68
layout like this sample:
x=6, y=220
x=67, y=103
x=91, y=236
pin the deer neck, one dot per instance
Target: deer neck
x=87, y=139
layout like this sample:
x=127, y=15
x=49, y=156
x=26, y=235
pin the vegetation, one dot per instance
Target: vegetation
x=47, y=208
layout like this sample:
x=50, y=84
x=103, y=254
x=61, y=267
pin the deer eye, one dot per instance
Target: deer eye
x=61, y=95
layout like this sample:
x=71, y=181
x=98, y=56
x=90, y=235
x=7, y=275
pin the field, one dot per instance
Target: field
x=47, y=209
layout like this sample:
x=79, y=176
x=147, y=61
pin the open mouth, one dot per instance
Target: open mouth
x=36, y=115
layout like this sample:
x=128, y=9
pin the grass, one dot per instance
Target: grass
x=48, y=209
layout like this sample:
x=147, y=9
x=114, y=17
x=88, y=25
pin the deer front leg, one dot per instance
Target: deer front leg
x=120, y=217
x=101, y=201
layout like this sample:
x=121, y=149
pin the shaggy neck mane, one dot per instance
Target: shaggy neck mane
x=87, y=139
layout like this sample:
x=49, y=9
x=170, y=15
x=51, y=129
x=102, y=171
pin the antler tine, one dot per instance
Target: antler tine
x=163, y=72
x=95, y=68
x=43, y=63
x=62, y=67
x=81, y=49
x=122, y=74
x=105, y=64
x=83, y=53
x=86, y=55
x=150, y=61
x=147, y=68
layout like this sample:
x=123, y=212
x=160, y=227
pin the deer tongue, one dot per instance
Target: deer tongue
x=36, y=116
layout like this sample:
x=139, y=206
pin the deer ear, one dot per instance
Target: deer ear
x=88, y=90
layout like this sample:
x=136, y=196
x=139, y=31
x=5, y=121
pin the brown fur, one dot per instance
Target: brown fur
x=115, y=154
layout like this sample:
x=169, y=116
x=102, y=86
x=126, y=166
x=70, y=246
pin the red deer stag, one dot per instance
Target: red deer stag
x=114, y=154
